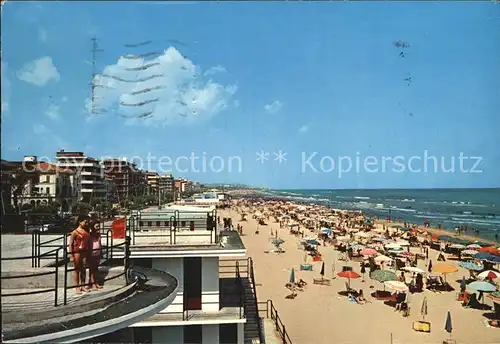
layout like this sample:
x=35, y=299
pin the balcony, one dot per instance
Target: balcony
x=39, y=306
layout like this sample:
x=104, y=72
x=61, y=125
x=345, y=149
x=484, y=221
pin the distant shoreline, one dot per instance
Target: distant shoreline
x=433, y=230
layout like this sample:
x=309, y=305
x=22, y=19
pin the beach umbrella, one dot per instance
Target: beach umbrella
x=468, y=252
x=383, y=276
x=489, y=274
x=482, y=286
x=423, y=310
x=443, y=268
x=474, y=246
x=392, y=246
x=395, y=251
x=402, y=243
x=490, y=249
x=488, y=257
x=348, y=274
x=413, y=269
x=322, y=272
x=458, y=246
x=368, y=252
x=396, y=285
x=382, y=259
x=379, y=239
x=470, y=266
x=448, y=326
x=292, y=276
x=326, y=230
x=357, y=247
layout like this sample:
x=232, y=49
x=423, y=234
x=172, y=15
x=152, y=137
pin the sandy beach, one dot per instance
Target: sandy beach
x=319, y=314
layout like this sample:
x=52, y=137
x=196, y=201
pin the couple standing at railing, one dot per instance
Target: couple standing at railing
x=84, y=249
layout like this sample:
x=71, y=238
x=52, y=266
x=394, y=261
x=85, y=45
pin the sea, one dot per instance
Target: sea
x=478, y=209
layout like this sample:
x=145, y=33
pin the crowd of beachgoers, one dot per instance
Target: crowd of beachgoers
x=405, y=266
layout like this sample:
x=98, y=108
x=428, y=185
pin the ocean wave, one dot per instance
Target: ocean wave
x=361, y=197
x=481, y=221
x=404, y=210
x=400, y=200
x=422, y=216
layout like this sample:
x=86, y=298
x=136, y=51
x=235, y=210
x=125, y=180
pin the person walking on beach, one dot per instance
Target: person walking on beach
x=78, y=252
x=94, y=258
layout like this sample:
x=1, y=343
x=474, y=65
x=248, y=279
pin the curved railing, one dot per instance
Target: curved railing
x=59, y=254
x=34, y=275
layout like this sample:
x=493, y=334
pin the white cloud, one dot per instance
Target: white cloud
x=42, y=35
x=6, y=86
x=215, y=70
x=273, y=107
x=39, y=72
x=40, y=129
x=52, y=111
x=175, y=91
x=303, y=129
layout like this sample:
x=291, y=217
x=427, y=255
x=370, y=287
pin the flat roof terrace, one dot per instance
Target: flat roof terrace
x=177, y=231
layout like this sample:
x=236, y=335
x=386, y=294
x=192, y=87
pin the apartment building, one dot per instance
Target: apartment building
x=47, y=183
x=128, y=179
x=88, y=175
x=166, y=183
x=152, y=179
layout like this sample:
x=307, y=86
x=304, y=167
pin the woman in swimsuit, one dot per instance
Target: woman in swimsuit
x=79, y=250
x=95, y=254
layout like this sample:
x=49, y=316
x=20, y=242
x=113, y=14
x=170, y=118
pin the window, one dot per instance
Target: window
x=193, y=334
x=167, y=223
x=150, y=223
x=228, y=333
x=47, y=190
x=158, y=223
x=183, y=223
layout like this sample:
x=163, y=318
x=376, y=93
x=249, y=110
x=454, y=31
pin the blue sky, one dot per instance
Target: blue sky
x=235, y=79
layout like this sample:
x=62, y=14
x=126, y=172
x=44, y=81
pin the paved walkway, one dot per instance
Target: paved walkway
x=46, y=300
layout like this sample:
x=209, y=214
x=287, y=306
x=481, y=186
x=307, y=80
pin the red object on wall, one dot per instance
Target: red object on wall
x=118, y=228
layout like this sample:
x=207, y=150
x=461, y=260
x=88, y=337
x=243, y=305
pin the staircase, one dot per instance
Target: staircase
x=252, y=328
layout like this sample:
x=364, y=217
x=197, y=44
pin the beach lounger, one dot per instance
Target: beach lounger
x=321, y=281
x=422, y=326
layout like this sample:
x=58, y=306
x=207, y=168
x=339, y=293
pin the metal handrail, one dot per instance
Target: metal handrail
x=252, y=278
x=37, y=256
x=272, y=313
x=56, y=279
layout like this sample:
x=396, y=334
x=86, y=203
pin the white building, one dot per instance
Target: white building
x=208, y=307
x=88, y=177
x=49, y=183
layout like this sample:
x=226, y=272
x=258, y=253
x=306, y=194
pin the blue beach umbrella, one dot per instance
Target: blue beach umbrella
x=292, y=276
x=482, y=286
x=488, y=257
x=326, y=230
x=448, y=326
x=470, y=266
